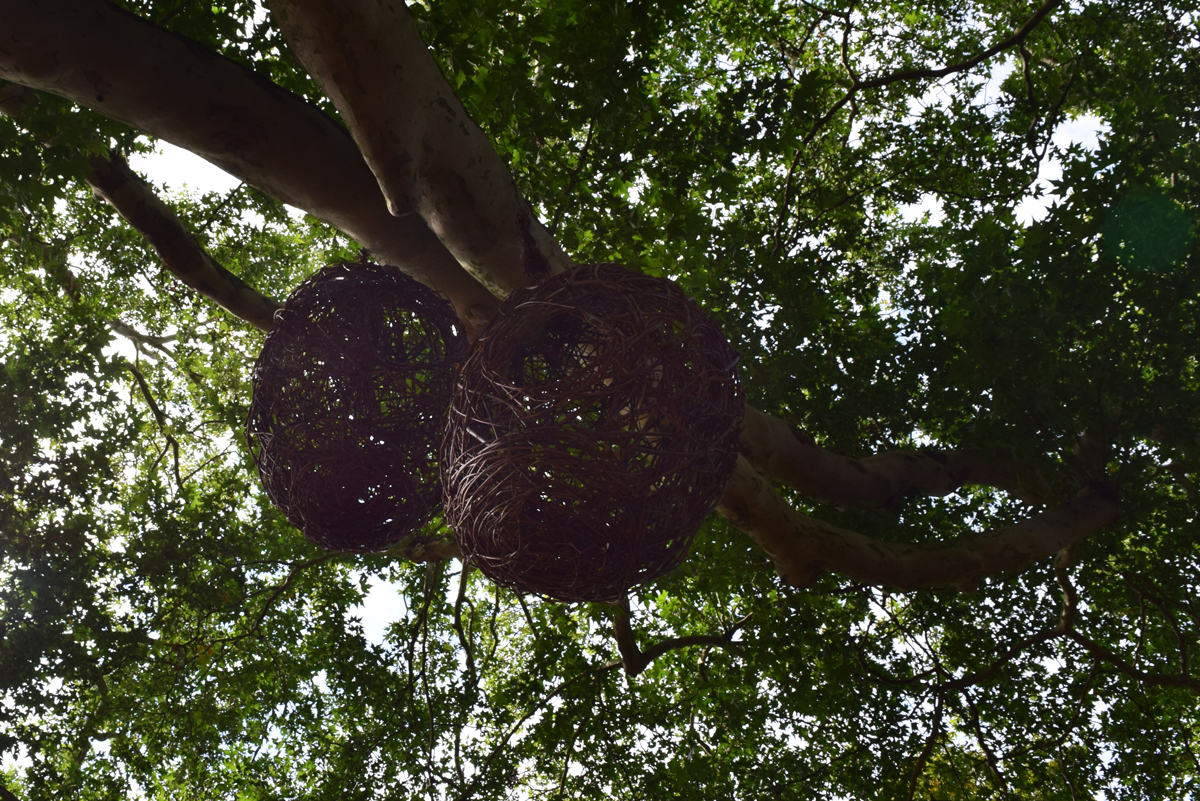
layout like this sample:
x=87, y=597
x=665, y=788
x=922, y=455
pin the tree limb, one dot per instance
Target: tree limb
x=12, y=97
x=1104, y=654
x=802, y=547
x=280, y=589
x=424, y=551
x=1017, y=38
x=880, y=81
x=634, y=661
x=428, y=155
x=113, y=181
x=99, y=56
x=159, y=418
x=789, y=456
x=935, y=731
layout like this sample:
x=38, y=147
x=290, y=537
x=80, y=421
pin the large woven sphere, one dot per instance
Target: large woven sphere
x=350, y=398
x=593, y=428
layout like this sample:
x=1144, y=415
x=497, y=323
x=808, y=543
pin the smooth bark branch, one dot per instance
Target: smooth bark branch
x=113, y=181
x=101, y=57
x=789, y=456
x=802, y=547
x=427, y=153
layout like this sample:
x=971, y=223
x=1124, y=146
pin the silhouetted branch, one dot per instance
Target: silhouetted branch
x=857, y=85
x=634, y=661
x=463, y=576
x=159, y=418
x=280, y=589
x=935, y=731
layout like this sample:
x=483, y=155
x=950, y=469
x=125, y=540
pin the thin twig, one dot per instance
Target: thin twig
x=296, y=569
x=463, y=576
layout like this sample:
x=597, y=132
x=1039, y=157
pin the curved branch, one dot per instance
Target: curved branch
x=1103, y=654
x=789, y=456
x=634, y=660
x=428, y=155
x=279, y=590
x=1017, y=38
x=12, y=97
x=113, y=181
x=802, y=547
x=159, y=418
x=856, y=85
x=104, y=58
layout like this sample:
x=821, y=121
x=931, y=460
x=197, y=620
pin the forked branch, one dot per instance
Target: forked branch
x=634, y=660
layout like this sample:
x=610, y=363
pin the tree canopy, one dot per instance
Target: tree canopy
x=850, y=188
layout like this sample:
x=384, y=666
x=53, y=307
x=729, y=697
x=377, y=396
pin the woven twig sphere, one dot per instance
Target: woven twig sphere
x=350, y=398
x=593, y=428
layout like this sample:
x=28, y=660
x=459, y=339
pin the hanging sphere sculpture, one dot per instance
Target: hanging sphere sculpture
x=593, y=428
x=349, y=402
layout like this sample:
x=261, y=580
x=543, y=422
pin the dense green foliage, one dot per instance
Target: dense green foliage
x=165, y=633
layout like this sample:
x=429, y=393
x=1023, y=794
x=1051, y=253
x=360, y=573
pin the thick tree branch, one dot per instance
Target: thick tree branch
x=789, y=456
x=113, y=181
x=428, y=155
x=802, y=547
x=99, y=56
x=12, y=97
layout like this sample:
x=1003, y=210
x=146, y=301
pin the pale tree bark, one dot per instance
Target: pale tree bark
x=125, y=68
x=425, y=150
x=113, y=181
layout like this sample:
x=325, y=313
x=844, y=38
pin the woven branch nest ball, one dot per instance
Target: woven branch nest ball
x=593, y=428
x=349, y=403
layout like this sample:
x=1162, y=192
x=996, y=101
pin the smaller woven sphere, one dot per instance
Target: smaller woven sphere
x=593, y=429
x=349, y=402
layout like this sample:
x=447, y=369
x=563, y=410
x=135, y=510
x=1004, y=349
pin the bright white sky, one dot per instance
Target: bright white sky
x=179, y=168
